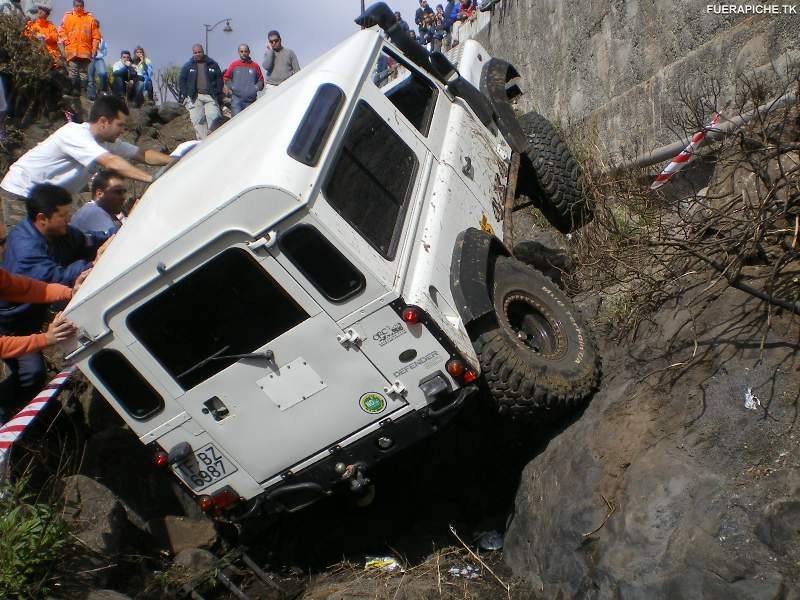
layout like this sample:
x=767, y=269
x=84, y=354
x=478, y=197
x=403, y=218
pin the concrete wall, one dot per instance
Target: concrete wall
x=621, y=64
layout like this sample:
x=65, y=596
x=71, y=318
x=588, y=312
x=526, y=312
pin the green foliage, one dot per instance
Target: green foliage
x=32, y=538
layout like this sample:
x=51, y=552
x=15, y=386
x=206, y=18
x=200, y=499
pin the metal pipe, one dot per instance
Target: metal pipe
x=726, y=127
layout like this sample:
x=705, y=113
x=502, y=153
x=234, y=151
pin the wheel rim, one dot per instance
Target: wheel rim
x=533, y=326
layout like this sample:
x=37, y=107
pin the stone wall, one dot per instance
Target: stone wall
x=620, y=65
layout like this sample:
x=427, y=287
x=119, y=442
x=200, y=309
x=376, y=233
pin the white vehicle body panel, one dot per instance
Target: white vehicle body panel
x=240, y=189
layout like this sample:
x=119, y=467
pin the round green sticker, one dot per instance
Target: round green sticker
x=372, y=403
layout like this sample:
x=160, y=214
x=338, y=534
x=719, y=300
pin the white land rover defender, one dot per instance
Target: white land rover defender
x=328, y=277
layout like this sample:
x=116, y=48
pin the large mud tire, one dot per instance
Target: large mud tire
x=549, y=174
x=539, y=361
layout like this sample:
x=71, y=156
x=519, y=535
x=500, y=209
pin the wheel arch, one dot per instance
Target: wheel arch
x=472, y=276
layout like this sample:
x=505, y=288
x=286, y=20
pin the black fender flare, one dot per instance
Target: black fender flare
x=496, y=73
x=471, y=275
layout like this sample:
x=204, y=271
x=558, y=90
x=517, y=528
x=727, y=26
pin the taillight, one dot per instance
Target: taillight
x=161, y=458
x=411, y=315
x=225, y=498
x=470, y=376
x=455, y=367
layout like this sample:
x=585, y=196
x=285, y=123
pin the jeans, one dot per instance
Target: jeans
x=239, y=104
x=133, y=92
x=204, y=114
x=97, y=68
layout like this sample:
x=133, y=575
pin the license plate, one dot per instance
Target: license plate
x=204, y=468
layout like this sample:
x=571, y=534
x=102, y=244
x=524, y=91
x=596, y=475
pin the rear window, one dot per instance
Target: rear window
x=371, y=180
x=126, y=385
x=228, y=306
x=323, y=265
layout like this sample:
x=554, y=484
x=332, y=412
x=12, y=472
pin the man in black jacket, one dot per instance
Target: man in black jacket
x=201, y=90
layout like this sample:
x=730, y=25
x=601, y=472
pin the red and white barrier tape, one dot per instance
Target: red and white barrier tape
x=685, y=156
x=14, y=429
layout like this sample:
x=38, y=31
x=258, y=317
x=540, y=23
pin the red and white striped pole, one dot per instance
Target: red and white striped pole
x=684, y=157
x=15, y=428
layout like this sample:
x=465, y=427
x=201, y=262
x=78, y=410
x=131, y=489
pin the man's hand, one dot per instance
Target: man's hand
x=59, y=330
x=226, y=90
x=79, y=281
x=102, y=249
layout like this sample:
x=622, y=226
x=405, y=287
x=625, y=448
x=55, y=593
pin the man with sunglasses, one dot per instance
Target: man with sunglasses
x=243, y=80
x=279, y=63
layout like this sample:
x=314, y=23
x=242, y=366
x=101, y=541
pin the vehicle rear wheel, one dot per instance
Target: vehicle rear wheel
x=539, y=361
x=549, y=174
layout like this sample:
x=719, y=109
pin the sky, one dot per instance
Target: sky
x=168, y=28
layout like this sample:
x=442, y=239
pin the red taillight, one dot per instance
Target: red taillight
x=161, y=458
x=225, y=498
x=206, y=503
x=411, y=315
x=470, y=376
x=456, y=368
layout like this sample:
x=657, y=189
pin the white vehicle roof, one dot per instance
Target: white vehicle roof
x=248, y=152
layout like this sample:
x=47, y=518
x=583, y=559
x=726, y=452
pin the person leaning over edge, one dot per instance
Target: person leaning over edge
x=201, y=91
x=68, y=156
x=43, y=247
x=279, y=63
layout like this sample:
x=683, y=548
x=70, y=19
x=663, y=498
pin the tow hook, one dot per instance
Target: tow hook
x=354, y=474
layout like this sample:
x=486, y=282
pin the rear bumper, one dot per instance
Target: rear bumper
x=319, y=480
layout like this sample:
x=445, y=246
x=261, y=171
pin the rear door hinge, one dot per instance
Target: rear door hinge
x=266, y=242
x=397, y=388
x=350, y=338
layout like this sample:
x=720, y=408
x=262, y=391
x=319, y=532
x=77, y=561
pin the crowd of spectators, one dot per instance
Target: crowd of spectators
x=78, y=47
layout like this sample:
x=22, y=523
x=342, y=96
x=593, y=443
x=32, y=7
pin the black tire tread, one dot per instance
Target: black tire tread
x=559, y=176
x=523, y=391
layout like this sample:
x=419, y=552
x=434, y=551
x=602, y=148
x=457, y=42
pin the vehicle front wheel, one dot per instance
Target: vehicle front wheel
x=549, y=174
x=539, y=361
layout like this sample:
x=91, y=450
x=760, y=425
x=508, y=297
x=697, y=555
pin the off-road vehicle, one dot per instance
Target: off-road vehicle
x=328, y=278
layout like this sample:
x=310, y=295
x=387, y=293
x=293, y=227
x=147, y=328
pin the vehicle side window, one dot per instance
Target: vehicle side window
x=371, y=180
x=323, y=265
x=126, y=385
x=317, y=124
x=228, y=306
x=411, y=93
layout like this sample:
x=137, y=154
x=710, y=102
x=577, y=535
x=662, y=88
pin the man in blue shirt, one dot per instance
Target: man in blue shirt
x=98, y=218
x=42, y=247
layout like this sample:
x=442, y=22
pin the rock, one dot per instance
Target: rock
x=146, y=491
x=672, y=488
x=106, y=595
x=96, y=515
x=180, y=533
x=195, y=561
x=138, y=120
x=151, y=110
x=169, y=111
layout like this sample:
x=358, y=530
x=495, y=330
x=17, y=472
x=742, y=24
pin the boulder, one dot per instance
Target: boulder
x=673, y=487
x=169, y=111
x=177, y=534
x=95, y=514
x=195, y=561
